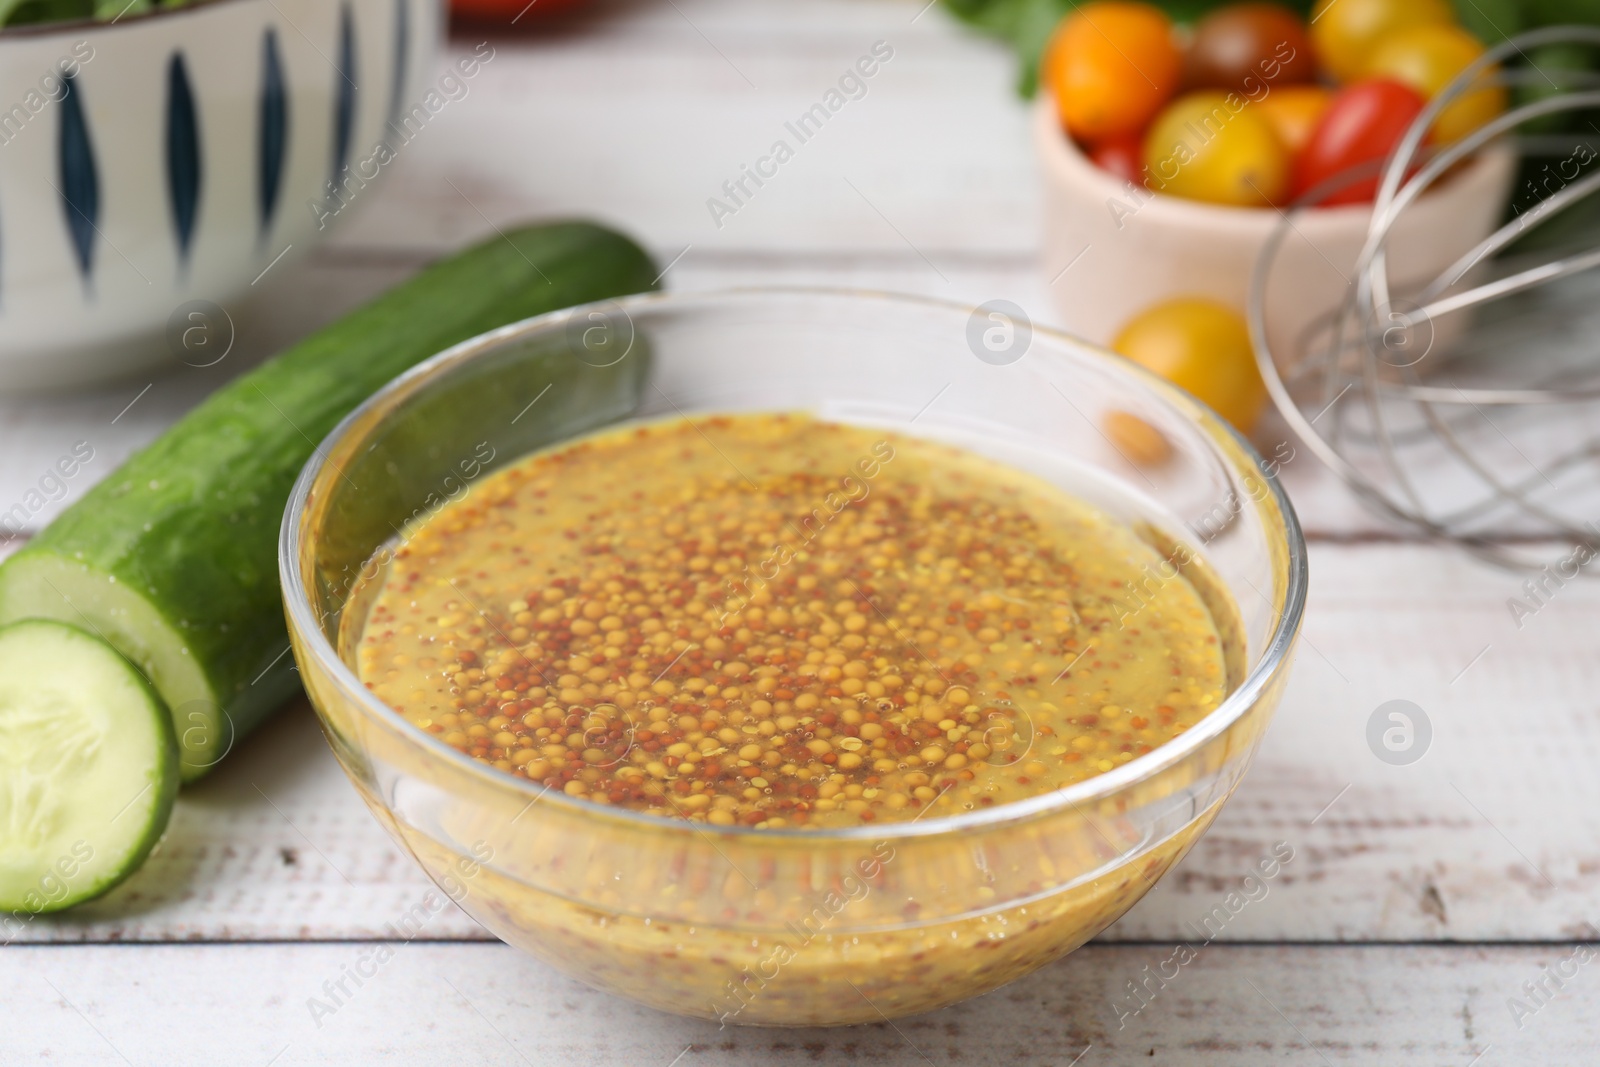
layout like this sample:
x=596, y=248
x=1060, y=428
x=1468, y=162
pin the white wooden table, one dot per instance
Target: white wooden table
x=1420, y=899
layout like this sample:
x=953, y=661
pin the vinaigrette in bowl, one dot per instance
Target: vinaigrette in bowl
x=770, y=621
x=795, y=664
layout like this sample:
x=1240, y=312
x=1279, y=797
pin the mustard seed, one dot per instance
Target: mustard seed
x=659, y=632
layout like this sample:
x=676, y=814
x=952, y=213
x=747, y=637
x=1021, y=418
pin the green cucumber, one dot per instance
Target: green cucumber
x=91, y=768
x=173, y=557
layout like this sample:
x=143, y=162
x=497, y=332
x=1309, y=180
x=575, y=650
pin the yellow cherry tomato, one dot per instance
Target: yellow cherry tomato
x=1110, y=66
x=1426, y=58
x=1202, y=346
x=1292, y=111
x=1216, y=147
x=1345, y=32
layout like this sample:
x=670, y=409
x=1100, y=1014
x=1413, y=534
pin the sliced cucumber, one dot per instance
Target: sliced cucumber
x=90, y=767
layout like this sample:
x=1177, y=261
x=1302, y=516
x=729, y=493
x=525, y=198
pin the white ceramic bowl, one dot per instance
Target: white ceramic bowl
x=1134, y=250
x=170, y=158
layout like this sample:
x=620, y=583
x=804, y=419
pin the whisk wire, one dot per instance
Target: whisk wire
x=1417, y=444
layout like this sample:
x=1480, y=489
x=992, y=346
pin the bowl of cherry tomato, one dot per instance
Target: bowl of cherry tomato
x=1170, y=154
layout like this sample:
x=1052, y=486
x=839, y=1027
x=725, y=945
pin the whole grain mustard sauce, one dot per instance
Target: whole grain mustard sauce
x=773, y=621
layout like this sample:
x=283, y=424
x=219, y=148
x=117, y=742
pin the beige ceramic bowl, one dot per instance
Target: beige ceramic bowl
x=1129, y=250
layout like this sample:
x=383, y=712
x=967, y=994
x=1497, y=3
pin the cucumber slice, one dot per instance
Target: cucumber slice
x=90, y=767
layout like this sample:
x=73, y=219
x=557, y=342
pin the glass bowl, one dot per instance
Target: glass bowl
x=786, y=926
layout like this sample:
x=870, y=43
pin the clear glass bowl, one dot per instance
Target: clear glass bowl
x=793, y=927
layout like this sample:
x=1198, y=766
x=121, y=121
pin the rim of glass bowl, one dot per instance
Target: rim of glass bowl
x=1111, y=782
x=78, y=27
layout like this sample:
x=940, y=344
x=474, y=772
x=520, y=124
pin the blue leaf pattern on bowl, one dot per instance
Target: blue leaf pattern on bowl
x=274, y=129
x=80, y=183
x=184, y=175
x=345, y=94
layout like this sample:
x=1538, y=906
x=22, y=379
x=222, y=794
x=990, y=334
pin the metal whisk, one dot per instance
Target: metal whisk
x=1464, y=405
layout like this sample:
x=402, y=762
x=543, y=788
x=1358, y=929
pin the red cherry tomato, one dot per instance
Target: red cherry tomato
x=1121, y=157
x=1363, y=123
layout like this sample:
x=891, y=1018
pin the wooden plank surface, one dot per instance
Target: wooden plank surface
x=118, y=418
x=486, y=1004
x=636, y=114
x=926, y=185
x=640, y=112
x=1494, y=834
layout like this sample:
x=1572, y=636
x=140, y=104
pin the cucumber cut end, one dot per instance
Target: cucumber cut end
x=44, y=585
x=90, y=767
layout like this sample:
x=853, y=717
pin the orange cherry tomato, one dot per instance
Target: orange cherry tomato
x=1362, y=124
x=1216, y=147
x=1111, y=65
x=1293, y=111
x=1427, y=58
x=1120, y=156
x=1345, y=32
